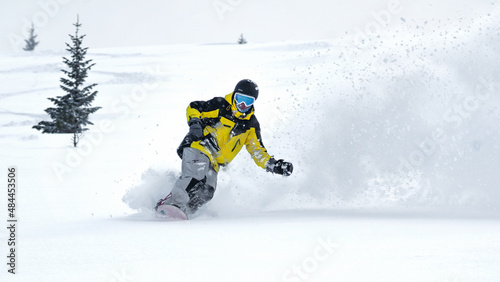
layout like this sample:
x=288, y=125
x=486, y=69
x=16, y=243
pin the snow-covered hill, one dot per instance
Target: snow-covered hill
x=394, y=141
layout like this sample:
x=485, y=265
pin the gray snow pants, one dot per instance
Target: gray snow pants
x=197, y=182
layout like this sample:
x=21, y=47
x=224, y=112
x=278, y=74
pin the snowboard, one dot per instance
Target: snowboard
x=170, y=212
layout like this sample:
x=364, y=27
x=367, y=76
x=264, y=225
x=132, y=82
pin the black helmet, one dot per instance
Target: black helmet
x=247, y=87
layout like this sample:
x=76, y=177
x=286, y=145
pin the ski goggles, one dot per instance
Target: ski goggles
x=243, y=102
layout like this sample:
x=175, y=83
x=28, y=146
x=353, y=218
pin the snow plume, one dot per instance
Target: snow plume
x=409, y=118
x=154, y=185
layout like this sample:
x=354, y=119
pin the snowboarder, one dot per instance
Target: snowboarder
x=218, y=129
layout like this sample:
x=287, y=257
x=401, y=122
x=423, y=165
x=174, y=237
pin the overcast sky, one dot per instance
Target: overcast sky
x=110, y=23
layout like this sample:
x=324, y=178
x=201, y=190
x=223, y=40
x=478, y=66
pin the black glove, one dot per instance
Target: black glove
x=195, y=129
x=279, y=167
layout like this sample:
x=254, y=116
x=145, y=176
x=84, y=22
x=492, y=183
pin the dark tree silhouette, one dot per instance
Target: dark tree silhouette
x=242, y=40
x=71, y=111
x=31, y=42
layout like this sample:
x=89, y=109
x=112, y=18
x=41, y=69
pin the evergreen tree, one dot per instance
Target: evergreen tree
x=73, y=109
x=242, y=40
x=31, y=41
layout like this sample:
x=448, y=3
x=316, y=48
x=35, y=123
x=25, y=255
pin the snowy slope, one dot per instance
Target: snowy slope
x=394, y=142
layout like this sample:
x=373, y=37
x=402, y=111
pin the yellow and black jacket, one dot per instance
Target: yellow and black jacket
x=225, y=132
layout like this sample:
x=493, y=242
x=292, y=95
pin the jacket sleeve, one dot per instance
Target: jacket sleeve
x=255, y=146
x=204, y=109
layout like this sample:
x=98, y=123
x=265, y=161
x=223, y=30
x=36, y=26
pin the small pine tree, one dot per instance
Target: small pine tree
x=73, y=109
x=242, y=40
x=31, y=41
